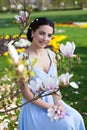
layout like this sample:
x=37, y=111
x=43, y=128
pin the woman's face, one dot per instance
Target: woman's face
x=42, y=36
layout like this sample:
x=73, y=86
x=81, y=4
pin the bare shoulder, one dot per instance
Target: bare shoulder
x=53, y=53
x=54, y=57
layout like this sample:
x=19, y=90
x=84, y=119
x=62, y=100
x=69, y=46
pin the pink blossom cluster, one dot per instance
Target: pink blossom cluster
x=55, y=113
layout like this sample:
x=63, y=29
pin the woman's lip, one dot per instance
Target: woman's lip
x=43, y=43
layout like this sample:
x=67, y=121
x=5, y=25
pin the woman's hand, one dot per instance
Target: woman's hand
x=61, y=107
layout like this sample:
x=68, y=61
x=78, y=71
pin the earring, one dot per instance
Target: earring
x=31, y=35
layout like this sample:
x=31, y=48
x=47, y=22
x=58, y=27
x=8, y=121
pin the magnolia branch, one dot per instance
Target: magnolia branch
x=35, y=98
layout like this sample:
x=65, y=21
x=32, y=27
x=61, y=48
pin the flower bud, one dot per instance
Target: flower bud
x=20, y=68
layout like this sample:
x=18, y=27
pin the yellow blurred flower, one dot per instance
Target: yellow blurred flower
x=1, y=37
x=65, y=25
x=55, y=42
x=84, y=25
x=23, y=36
x=15, y=36
x=5, y=53
x=20, y=50
x=7, y=37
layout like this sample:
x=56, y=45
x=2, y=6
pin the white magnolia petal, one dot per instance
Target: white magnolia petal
x=10, y=43
x=26, y=14
x=21, y=12
x=68, y=49
x=64, y=78
x=70, y=76
x=73, y=45
x=16, y=17
x=13, y=53
x=73, y=84
x=22, y=43
x=62, y=48
x=32, y=85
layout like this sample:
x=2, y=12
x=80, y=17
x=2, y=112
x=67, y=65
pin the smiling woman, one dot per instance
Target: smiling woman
x=35, y=115
x=75, y=32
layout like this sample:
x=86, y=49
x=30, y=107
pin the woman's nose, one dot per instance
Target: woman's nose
x=45, y=37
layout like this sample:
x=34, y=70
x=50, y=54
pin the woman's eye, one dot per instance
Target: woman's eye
x=41, y=33
x=50, y=35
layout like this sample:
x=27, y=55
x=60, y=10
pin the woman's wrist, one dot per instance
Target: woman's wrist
x=49, y=106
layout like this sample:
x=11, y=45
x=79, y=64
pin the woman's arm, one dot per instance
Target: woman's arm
x=28, y=95
x=57, y=97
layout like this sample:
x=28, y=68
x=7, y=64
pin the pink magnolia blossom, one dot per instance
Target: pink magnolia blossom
x=21, y=18
x=36, y=86
x=65, y=80
x=51, y=83
x=68, y=49
x=55, y=113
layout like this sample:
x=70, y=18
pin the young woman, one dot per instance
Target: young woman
x=33, y=116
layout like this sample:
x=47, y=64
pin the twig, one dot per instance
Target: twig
x=35, y=98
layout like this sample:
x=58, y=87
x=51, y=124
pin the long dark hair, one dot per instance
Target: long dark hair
x=35, y=25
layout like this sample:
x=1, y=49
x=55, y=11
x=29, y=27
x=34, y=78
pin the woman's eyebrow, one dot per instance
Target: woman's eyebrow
x=45, y=32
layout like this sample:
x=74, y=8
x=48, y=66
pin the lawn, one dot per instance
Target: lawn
x=76, y=98
x=7, y=20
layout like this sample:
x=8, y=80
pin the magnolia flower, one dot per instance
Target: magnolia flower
x=36, y=86
x=51, y=83
x=22, y=43
x=68, y=49
x=22, y=17
x=64, y=80
x=4, y=124
x=55, y=113
x=13, y=53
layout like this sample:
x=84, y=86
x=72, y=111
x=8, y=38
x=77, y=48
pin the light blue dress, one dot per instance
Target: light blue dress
x=33, y=117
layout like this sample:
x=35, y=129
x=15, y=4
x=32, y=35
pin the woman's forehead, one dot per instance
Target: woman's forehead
x=45, y=28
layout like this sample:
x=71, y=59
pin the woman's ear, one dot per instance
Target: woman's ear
x=32, y=34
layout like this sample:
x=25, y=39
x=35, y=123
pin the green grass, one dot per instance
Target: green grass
x=77, y=35
x=63, y=16
x=7, y=20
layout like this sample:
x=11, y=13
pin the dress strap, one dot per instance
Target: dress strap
x=50, y=54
